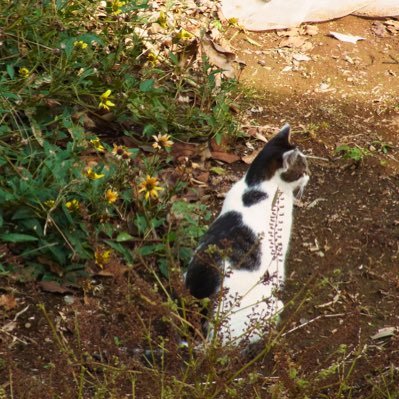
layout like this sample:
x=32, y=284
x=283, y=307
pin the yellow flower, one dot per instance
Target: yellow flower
x=49, y=203
x=152, y=58
x=184, y=35
x=73, y=205
x=93, y=175
x=162, y=141
x=111, y=196
x=80, y=44
x=233, y=21
x=162, y=20
x=102, y=257
x=24, y=72
x=104, y=102
x=120, y=151
x=116, y=6
x=97, y=144
x=150, y=187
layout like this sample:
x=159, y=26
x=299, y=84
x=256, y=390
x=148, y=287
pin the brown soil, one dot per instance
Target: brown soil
x=343, y=265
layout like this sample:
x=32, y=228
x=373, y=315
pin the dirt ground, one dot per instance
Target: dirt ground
x=343, y=266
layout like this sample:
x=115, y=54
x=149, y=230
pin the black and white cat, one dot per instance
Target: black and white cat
x=239, y=262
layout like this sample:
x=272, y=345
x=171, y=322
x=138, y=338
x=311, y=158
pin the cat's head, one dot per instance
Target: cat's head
x=280, y=159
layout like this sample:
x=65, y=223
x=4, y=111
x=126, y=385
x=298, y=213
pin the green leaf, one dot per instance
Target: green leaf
x=151, y=249
x=121, y=249
x=147, y=85
x=173, y=58
x=164, y=267
x=122, y=237
x=218, y=170
x=149, y=129
x=6, y=196
x=10, y=71
x=22, y=213
x=17, y=237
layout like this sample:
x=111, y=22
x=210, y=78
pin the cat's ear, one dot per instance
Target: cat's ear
x=289, y=158
x=284, y=135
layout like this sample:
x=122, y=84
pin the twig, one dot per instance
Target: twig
x=312, y=321
x=21, y=312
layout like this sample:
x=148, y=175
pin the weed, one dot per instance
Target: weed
x=355, y=153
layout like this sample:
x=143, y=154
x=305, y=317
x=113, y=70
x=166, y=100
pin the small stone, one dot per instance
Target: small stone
x=261, y=62
x=69, y=299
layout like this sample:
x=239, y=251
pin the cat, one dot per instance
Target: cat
x=239, y=262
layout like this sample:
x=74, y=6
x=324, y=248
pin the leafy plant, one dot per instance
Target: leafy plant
x=76, y=80
x=354, y=153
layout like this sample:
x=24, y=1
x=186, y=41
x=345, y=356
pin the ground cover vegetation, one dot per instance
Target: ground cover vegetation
x=79, y=81
x=99, y=105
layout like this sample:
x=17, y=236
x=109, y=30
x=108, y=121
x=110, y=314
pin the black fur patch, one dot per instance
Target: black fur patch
x=227, y=237
x=268, y=161
x=253, y=197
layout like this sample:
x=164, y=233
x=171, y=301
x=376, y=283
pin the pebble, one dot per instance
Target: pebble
x=69, y=299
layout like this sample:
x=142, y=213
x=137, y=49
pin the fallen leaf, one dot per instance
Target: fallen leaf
x=253, y=131
x=300, y=57
x=222, y=146
x=310, y=30
x=392, y=22
x=293, y=42
x=202, y=176
x=225, y=157
x=51, y=103
x=379, y=29
x=253, y=42
x=184, y=150
x=82, y=117
x=105, y=273
x=248, y=159
x=288, y=32
x=219, y=57
x=287, y=68
x=346, y=38
x=260, y=137
x=54, y=287
x=8, y=302
x=9, y=326
x=384, y=333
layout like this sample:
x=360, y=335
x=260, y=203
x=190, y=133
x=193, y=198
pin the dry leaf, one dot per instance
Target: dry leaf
x=300, y=57
x=288, y=32
x=392, y=22
x=384, y=333
x=8, y=302
x=248, y=159
x=310, y=30
x=222, y=146
x=219, y=57
x=225, y=157
x=184, y=150
x=10, y=326
x=51, y=103
x=54, y=287
x=253, y=42
x=293, y=42
x=346, y=38
x=379, y=29
x=83, y=118
x=202, y=176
